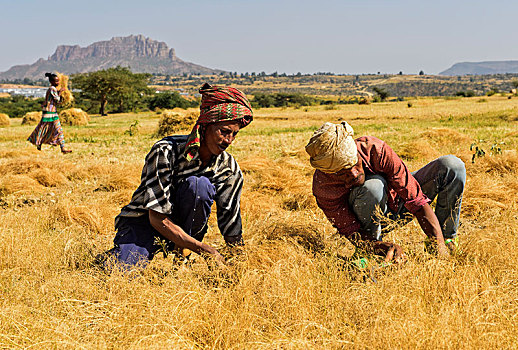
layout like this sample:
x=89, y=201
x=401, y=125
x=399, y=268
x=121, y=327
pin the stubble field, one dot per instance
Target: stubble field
x=293, y=287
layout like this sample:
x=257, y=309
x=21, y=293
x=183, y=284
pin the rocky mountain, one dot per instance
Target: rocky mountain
x=141, y=54
x=481, y=68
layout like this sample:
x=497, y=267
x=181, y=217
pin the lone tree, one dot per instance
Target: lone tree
x=118, y=86
x=421, y=72
x=382, y=93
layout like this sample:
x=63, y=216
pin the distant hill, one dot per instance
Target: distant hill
x=481, y=68
x=141, y=54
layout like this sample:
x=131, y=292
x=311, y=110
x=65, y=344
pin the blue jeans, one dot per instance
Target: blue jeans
x=135, y=238
x=443, y=178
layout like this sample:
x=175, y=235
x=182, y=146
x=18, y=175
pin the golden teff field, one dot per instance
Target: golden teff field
x=292, y=288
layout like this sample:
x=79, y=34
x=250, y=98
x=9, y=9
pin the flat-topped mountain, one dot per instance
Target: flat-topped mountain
x=481, y=68
x=133, y=46
x=141, y=54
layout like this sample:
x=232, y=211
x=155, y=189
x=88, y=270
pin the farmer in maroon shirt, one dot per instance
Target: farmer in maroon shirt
x=355, y=177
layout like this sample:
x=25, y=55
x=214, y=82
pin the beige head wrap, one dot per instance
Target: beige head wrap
x=332, y=148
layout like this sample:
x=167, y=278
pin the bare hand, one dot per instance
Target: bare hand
x=213, y=254
x=442, y=251
x=220, y=260
x=395, y=252
x=452, y=246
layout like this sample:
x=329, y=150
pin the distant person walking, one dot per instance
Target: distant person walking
x=182, y=176
x=49, y=128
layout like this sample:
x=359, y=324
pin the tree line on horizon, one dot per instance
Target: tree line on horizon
x=118, y=90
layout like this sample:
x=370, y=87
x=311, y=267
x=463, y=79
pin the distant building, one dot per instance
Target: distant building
x=27, y=92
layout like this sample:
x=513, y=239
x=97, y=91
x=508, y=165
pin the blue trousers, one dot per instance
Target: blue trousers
x=443, y=178
x=135, y=239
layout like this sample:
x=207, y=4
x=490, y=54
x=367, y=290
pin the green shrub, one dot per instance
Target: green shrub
x=169, y=100
x=282, y=99
x=133, y=129
x=492, y=92
x=468, y=93
x=17, y=106
x=381, y=94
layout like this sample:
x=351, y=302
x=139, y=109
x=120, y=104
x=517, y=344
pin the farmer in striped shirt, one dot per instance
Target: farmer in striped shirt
x=357, y=179
x=182, y=177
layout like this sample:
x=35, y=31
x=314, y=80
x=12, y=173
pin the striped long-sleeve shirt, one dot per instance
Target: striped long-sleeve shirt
x=166, y=166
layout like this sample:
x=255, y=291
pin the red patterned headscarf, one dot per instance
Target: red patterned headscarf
x=218, y=104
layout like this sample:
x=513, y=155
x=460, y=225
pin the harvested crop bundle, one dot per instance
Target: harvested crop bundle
x=66, y=96
x=74, y=116
x=31, y=118
x=4, y=120
x=171, y=122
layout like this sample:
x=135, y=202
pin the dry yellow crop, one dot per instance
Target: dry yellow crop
x=66, y=96
x=293, y=286
x=74, y=116
x=31, y=118
x=172, y=121
x=4, y=120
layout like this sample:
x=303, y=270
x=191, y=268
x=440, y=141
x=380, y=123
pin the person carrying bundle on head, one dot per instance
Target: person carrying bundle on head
x=49, y=128
x=182, y=176
x=355, y=177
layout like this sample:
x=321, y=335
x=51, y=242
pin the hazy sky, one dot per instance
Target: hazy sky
x=347, y=36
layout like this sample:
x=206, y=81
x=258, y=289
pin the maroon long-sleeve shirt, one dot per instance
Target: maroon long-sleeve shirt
x=378, y=158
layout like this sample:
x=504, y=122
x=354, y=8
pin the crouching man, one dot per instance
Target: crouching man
x=182, y=177
x=353, y=178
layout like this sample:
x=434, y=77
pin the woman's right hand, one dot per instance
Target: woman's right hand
x=220, y=260
x=177, y=235
x=214, y=254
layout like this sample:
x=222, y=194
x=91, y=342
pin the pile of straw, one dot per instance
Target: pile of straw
x=171, y=122
x=66, y=95
x=74, y=116
x=31, y=118
x=4, y=120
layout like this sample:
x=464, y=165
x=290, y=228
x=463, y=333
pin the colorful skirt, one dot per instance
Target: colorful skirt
x=48, y=131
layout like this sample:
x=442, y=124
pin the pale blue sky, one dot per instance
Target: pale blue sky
x=348, y=36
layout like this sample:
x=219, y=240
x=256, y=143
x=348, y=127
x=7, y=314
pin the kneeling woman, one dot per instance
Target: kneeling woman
x=182, y=177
